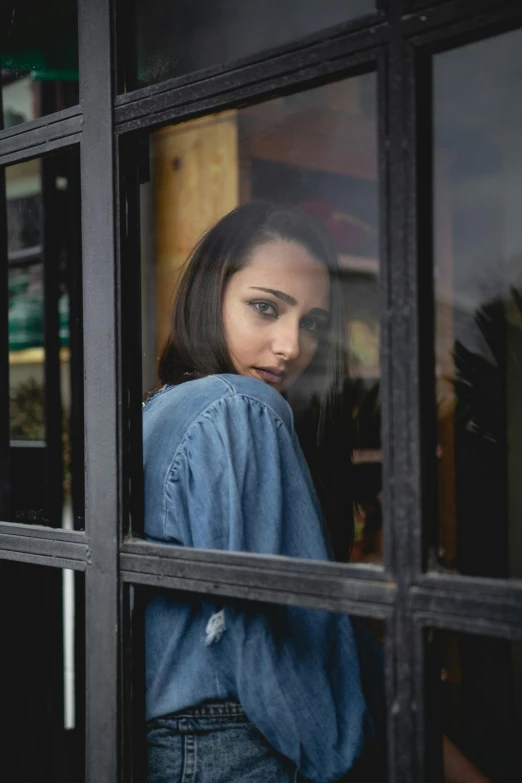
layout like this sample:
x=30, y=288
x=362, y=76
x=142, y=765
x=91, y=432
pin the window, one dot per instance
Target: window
x=316, y=150
x=39, y=63
x=44, y=319
x=418, y=102
x=478, y=310
x=175, y=40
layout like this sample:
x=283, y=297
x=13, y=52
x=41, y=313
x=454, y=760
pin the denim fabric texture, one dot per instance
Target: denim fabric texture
x=214, y=743
x=224, y=470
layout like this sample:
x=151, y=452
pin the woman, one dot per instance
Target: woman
x=242, y=692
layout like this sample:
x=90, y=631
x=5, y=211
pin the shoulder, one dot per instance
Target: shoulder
x=214, y=399
x=245, y=390
x=187, y=400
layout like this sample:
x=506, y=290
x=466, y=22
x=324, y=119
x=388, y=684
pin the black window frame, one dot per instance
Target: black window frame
x=398, y=42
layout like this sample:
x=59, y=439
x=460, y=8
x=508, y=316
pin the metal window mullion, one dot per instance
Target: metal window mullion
x=128, y=247
x=5, y=461
x=32, y=543
x=251, y=82
x=254, y=578
x=359, y=33
x=4, y=354
x=401, y=406
x=385, y=386
x=74, y=289
x=100, y=392
x=52, y=386
x=478, y=608
x=132, y=643
x=39, y=139
x=49, y=126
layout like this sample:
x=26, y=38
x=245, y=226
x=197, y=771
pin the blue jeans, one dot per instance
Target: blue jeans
x=213, y=743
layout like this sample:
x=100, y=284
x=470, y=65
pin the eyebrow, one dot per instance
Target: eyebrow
x=290, y=300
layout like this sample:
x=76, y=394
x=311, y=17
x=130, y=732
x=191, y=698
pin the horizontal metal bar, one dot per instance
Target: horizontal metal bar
x=41, y=123
x=481, y=627
x=43, y=136
x=478, y=605
x=254, y=81
x=255, y=577
x=138, y=546
x=51, y=561
x=457, y=23
x=483, y=587
x=47, y=546
x=369, y=21
x=42, y=532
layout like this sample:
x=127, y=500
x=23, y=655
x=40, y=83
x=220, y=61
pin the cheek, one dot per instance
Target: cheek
x=238, y=331
x=309, y=348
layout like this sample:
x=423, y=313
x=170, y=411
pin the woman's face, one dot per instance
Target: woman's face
x=274, y=311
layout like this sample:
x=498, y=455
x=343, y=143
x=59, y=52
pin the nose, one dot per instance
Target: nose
x=285, y=343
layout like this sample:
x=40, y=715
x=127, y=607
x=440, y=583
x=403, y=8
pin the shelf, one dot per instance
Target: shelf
x=34, y=356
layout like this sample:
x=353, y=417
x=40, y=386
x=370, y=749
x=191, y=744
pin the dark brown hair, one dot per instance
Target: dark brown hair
x=196, y=344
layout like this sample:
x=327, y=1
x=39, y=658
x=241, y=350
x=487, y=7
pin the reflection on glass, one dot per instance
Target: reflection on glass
x=178, y=38
x=481, y=700
x=314, y=151
x=478, y=288
x=39, y=58
x=43, y=276
x=43, y=674
x=307, y=679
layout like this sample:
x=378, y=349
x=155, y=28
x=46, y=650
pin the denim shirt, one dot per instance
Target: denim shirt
x=224, y=470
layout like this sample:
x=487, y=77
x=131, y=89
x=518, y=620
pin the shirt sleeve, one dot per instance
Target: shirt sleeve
x=240, y=483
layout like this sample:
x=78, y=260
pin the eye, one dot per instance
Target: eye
x=266, y=309
x=310, y=324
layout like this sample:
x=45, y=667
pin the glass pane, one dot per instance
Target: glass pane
x=478, y=306
x=178, y=38
x=39, y=58
x=43, y=674
x=311, y=682
x=45, y=375
x=313, y=154
x=478, y=695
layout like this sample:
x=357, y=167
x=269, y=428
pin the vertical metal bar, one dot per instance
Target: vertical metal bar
x=5, y=481
x=402, y=405
x=132, y=660
x=422, y=180
x=130, y=285
x=384, y=304
x=74, y=289
x=4, y=355
x=52, y=396
x=385, y=385
x=100, y=391
x=133, y=702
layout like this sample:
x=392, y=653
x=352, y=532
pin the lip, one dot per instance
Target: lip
x=271, y=375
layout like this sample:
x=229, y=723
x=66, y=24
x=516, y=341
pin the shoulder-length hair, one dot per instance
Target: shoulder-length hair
x=196, y=343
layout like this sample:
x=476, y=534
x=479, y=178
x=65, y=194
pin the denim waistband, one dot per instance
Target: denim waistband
x=211, y=709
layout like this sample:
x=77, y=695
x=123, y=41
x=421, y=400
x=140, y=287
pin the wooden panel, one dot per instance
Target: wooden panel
x=196, y=181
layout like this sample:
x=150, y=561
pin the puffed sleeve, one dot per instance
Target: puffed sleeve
x=240, y=483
